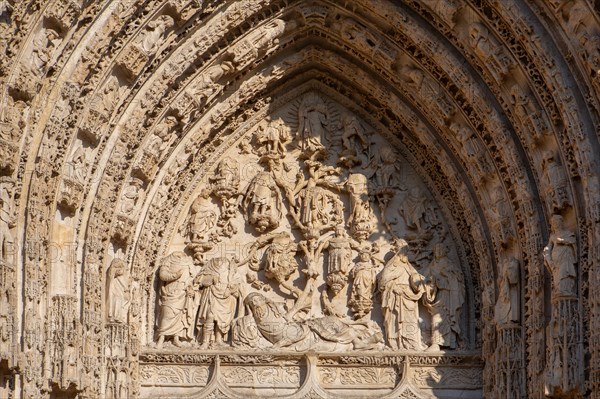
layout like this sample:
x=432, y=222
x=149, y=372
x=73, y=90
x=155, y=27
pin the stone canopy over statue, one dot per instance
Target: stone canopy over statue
x=295, y=243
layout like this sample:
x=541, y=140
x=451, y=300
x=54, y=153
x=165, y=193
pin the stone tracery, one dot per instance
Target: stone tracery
x=542, y=163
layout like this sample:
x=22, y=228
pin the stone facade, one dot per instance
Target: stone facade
x=316, y=199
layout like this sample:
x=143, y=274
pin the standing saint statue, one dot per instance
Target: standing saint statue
x=119, y=292
x=560, y=257
x=219, y=289
x=507, y=309
x=401, y=288
x=444, y=299
x=176, y=301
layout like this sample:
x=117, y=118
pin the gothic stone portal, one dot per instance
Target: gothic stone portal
x=311, y=256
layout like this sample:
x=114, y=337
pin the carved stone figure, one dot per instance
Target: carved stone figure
x=444, y=299
x=312, y=120
x=339, y=259
x=526, y=111
x=501, y=215
x=487, y=47
x=387, y=171
x=361, y=219
x=257, y=43
x=77, y=166
x=226, y=181
x=155, y=32
x=473, y=148
x=161, y=137
x=316, y=208
x=556, y=183
x=262, y=203
x=46, y=42
x=508, y=305
x=207, y=83
x=130, y=196
x=7, y=220
x=401, y=288
x=272, y=140
x=560, y=257
x=201, y=219
x=119, y=292
x=108, y=97
x=327, y=333
x=354, y=141
x=279, y=261
x=218, y=282
x=363, y=275
x=177, y=308
x=414, y=210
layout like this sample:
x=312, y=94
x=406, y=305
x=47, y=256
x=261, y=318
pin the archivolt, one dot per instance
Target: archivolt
x=415, y=70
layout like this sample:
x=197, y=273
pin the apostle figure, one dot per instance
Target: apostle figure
x=444, y=299
x=219, y=287
x=176, y=301
x=401, y=287
x=119, y=292
x=560, y=257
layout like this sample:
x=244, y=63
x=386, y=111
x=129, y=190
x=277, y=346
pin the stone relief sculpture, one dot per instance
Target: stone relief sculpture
x=262, y=203
x=401, y=288
x=312, y=125
x=560, y=258
x=361, y=215
x=313, y=276
x=7, y=220
x=487, y=48
x=508, y=305
x=272, y=140
x=445, y=298
x=198, y=227
x=364, y=274
x=339, y=248
x=176, y=300
x=354, y=142
x=120, y=287
x=47, y=41
x=327, y=333
x=155, y=31
x=130, y=196
x=218, y=282
x=556, y=182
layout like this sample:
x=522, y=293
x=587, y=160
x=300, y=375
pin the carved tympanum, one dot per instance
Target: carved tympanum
x=311, y=264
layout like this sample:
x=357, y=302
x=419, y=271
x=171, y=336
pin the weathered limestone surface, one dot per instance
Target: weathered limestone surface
x=314, y=199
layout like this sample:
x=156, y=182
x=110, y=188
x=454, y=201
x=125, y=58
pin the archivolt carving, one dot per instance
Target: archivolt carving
x=117, y=115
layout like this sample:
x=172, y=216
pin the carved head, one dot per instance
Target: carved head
x=557, y=222
x=401, y=247
x=117, y=267
x=415, y=192
x=336, y=282
x=257, y=303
